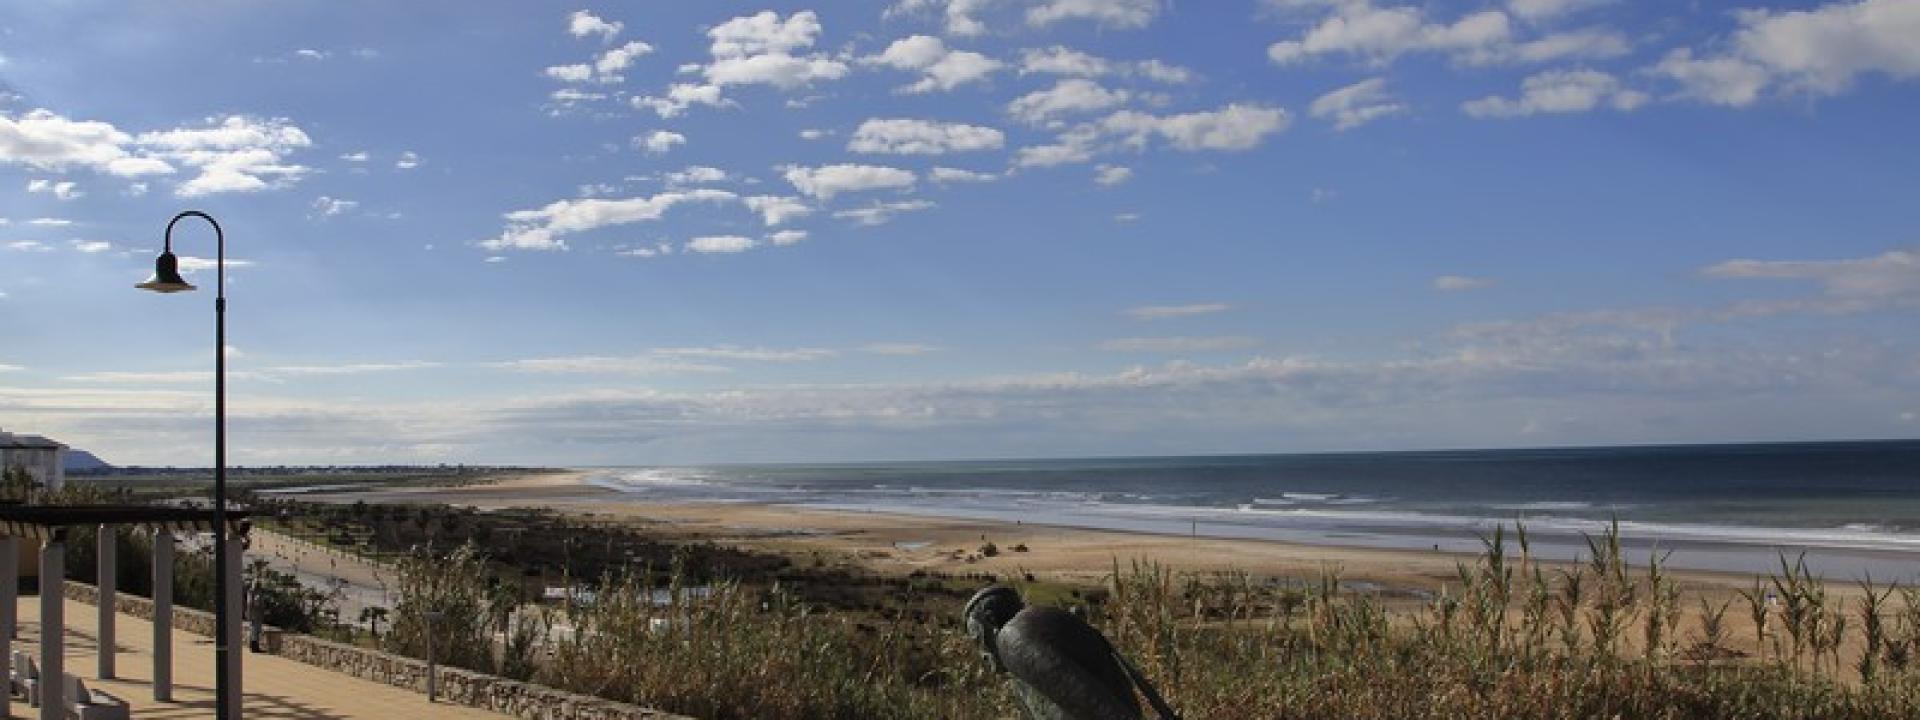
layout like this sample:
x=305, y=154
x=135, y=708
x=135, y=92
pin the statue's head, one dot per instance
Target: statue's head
x=988, y=611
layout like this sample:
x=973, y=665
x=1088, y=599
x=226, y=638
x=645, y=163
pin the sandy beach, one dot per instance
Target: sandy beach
x=903, y=543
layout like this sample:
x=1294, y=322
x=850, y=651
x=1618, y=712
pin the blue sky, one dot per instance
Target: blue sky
x=697, y=232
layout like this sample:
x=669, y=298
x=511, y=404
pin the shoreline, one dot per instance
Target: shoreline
x=896, y=542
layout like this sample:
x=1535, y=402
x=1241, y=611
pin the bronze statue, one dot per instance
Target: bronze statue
x=1061, y=667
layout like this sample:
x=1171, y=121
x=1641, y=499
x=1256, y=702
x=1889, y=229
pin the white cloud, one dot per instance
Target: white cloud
x=681, y=96
x=49, y=222
x=407, y=160
x=1167, y=312
x=1589, y=43
x=1458, y=283
x=578, y=72
x=1112, y=13
x=583, y=23
x=1537, y=10
x=1893, y=274
x=941, y=68
x=1357, y=104
x=63, y=190
x=881, y=213
x=605, y=365
x=897, y=348
x=695, y=175
x=905, y=136
x=1818, y=51
x=235, y=154
x=43, y=140
x=1062, y=60
x=1379, y=35
x=721, y=244
x=1178, y=345
x=659, y=141
x=546, y=228
x=945, y=175
x=759, y=49
x=29, y=246
x=358, y=156
x=959, y=14
x=1111, y=175
x=1232, y=127
x=776, y=210
x=826, y=181
x=787, y=237
x=190, y=265
x=324, y=206
x=813, y=134
x=1559, y=91
x=1069, y=96
x=605, y=68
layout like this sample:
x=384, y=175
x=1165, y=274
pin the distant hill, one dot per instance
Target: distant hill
x=81, y=461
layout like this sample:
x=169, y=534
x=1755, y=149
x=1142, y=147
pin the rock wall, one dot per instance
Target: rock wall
x=457, y=686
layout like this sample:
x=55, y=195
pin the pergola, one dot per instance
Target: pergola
x=47, y=525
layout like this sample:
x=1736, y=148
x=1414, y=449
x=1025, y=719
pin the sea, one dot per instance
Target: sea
x=1851, y=508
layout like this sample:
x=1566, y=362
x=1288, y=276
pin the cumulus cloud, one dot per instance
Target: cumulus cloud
x=1130, y=14
x=63, y=190
x=758, y=49
x=946, y=175
x=1559, y=91
x=1537, y=10
x=605, y=68
x=721, y=244
x=1067, y=97
x=826, y=181
x=1585, y=44
x=881, y=213
x=787, y=237
x=941, y=68
x=326, y=207
x=583, y=23
x=1819, y=51
x=1167, y=312
x=659, y=141
x=546, y=228
x=1235, y=126
x=959, y=14
x=407, y=160
x=1062, y=60
x=694, y=175
x=1380, y=34
x=777, y=210
x=1357, y=104
x=1110, y=175
x=43, y=140
x=905, y=136
x=91, y=247
x=235, y=154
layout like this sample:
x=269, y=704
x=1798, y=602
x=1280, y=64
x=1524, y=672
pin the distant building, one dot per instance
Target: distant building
x=43, y=459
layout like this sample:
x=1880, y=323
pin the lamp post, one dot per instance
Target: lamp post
x=166, y=279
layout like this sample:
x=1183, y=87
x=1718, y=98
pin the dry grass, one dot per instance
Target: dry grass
x=1509, y=638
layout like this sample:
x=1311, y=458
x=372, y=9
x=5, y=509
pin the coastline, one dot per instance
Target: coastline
x=894, y=542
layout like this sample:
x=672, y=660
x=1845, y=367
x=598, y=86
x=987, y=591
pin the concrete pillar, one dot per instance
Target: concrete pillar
x=236, y=603
x=9, y=610
x=162, y=615
x=107, y=579
x=53, y=626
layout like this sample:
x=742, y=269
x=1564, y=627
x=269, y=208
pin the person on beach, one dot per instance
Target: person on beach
x=1061, y=668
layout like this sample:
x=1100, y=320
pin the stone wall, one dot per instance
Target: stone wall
x=457, y=686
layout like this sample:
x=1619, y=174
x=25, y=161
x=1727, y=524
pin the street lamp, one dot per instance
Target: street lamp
x=166, y=279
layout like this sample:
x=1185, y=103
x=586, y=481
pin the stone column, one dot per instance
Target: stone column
x=9, y=610
x=162, y=615
x=107, y=579
x=53, y=626
x=236, y=604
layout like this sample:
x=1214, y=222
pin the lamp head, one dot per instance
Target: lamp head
x=166, y=276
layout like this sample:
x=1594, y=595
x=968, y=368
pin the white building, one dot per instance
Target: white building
x=43, y=459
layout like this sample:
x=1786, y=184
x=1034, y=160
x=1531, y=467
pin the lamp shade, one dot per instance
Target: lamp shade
x=166, y=276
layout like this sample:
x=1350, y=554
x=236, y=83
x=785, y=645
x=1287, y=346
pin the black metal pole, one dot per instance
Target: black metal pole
x=222, y=645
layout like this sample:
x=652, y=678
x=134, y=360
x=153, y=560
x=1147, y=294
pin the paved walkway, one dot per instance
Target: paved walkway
x=275, y=687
